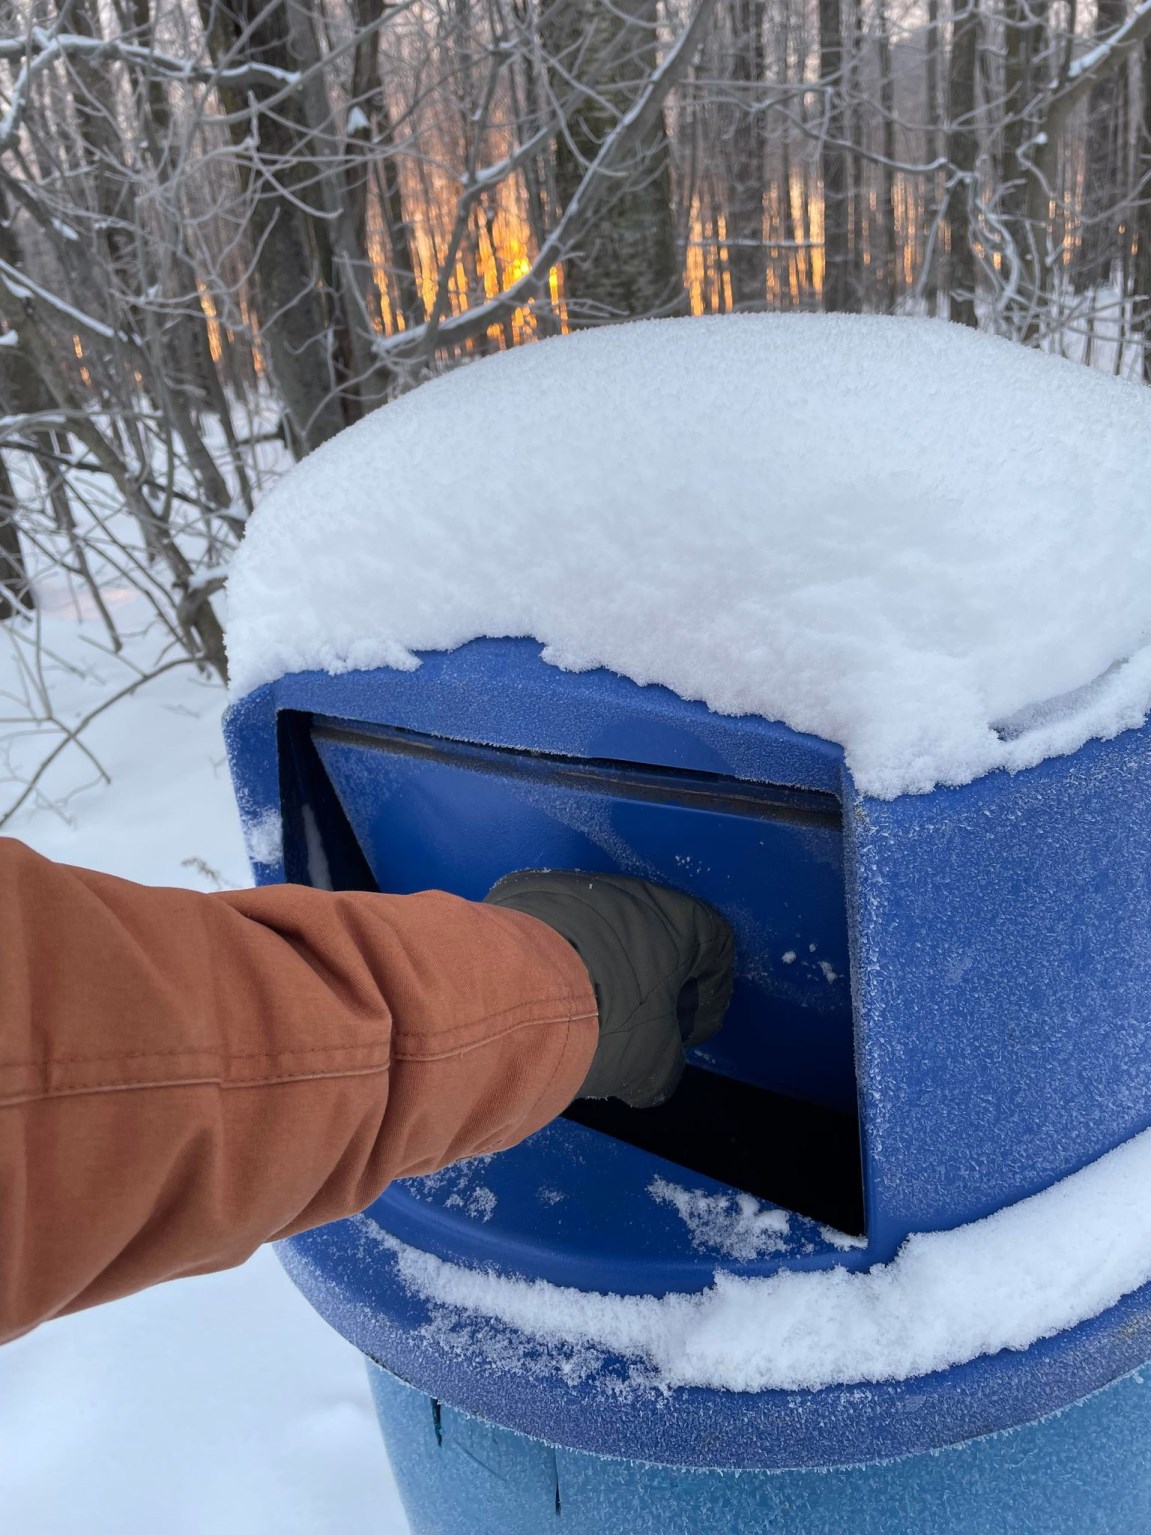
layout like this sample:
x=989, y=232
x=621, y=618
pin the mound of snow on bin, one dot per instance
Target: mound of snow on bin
x=929, y=545
x=1027, y=1272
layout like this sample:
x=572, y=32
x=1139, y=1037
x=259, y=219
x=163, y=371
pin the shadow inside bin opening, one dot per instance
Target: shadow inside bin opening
x=798, y=1155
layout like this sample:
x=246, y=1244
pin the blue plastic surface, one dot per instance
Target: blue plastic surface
x=995, y=938
x=1085, y=1471
x=572, y=1206
x=598, y=1404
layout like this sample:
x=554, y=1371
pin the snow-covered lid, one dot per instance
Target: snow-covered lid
x=929, y=545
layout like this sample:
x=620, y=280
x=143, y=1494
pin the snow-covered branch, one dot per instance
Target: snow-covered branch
x=1111, y=52
x=40, y=50
x=21, y=286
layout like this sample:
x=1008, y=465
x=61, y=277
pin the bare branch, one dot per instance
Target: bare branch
x=580, y=209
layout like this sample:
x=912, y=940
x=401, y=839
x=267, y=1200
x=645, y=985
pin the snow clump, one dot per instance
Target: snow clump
x=930, y=545
x=736, y=1225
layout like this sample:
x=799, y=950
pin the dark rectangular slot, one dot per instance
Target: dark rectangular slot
x=797, y=1155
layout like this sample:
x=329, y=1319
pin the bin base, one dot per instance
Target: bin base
x=1084, y=1471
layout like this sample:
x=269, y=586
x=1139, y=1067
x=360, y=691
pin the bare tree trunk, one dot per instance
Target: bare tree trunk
x=472, y=112
x=1103, y=177
x=364, y=383
x=794, y=274
x=890, y=276
x=100, y=136
x=747, y=254
x=792, y=266
x=962, y=153
x=837, y=284
x=528, y=85
x=401, y=233
x=16, y=594
x=857, y=212
x=293, y=262
x=1019, y=28
x=365, y=88
x=626, y=263
x=934, y=146
x=188, y=358
x=1141, y=303
x=374, y=144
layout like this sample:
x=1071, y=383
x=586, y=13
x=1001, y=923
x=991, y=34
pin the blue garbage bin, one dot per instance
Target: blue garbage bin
x=942, y=1007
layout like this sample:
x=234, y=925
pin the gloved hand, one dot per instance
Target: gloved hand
x=660, y=962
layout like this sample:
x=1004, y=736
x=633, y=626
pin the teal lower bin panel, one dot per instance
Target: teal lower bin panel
x=1083, y=1471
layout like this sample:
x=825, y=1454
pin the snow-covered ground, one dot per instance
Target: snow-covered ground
x=221, y=1404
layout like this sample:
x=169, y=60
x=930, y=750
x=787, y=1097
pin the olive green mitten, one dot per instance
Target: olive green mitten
x=660, y=962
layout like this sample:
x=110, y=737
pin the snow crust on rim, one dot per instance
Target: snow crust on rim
x=1027, y=1272
x=929, y=545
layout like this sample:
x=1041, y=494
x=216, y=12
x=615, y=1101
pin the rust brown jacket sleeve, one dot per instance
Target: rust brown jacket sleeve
x=184, y=1076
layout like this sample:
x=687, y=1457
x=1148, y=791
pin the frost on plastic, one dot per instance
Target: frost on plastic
x=264, y=838
x=927, y=544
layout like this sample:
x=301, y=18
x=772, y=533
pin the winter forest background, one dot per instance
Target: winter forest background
x=229, y=228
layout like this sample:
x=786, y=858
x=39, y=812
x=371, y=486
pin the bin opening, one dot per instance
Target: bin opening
x=768, y=1107
x=801, y=1156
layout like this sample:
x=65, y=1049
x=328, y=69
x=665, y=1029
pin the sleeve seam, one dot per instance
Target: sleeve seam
x=191, y=1050
x=82, y=1089
x=533, y=1008
x=219, y=1080
x=490, y=1039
